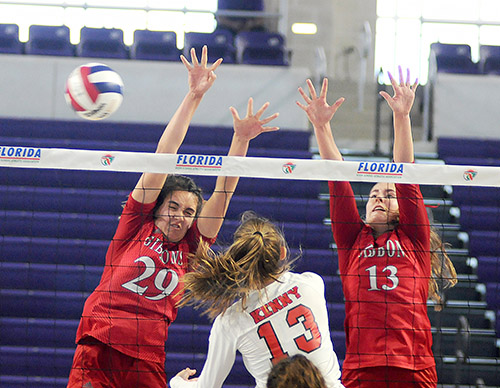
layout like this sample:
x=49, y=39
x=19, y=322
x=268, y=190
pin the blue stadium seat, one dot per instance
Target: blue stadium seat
x=44, y=332
x=49, y=40
x=336, y=316
x=493, y=295
x=219, y=43
x=473, y=148
x=34, y=276
x=261, y=48
x=479, y=217
x=454, y=58
x=9, y=39
x=155, y=45
x=35, y=361
x=484, y=243
x=20, y=249
x=42, y=304
x=333, y=289
x=486, y=196
x=101, y=43
x=488, y=269
x=489, y=59
x=241, y=5
x=307, y=236
x=33, y=381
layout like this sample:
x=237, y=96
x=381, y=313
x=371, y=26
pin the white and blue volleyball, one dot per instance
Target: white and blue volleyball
x=94, y=91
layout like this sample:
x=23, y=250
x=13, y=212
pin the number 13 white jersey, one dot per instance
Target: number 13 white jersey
x=287, y=317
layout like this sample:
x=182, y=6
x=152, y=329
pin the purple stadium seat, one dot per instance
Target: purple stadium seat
x=454, y=58
x=261, y=48
x=9, y=39
x=49, y=277
x=479, y=217
x=241, y=5
x=493, y=295
x=473, y=148
x=484, y=196
x=219, y=43
x=155, y=45
x=101, y=43
x=484, y=243
x=42, y=304
x=42, y=332
x=488, y=269
x=49, y=40
x=54, y=250
x=489, y=59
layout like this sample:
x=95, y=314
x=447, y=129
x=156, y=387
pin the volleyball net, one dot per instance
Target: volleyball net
x=56, y=229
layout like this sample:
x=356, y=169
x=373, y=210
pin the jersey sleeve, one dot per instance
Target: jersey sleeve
x=220, y=359
x=413, y=219
x=344, y=214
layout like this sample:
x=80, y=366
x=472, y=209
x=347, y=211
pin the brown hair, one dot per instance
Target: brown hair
x=252, y=260
x=295, y=372
x=443, y=274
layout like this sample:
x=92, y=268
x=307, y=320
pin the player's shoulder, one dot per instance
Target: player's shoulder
x=310, y=279
x=306, y=276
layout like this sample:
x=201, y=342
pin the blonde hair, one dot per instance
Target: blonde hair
x=295, y=372
x=253, y=260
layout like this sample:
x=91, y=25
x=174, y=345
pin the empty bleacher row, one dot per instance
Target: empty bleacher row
x=457, y=58
x=246, y=47
x=57, y=224
x=477, y=209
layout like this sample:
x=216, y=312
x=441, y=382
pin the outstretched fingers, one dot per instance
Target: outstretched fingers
x=194, y=59
x=312, y=91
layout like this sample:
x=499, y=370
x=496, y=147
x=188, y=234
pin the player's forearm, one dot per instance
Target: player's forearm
x=176, y=130
x=326, y=144
x=403, y=140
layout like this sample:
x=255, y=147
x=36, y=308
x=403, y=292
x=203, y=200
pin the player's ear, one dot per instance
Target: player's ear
x=283, y=253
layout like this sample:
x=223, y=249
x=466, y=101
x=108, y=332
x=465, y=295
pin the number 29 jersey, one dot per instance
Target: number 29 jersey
x=286, y=318
x=135, y=301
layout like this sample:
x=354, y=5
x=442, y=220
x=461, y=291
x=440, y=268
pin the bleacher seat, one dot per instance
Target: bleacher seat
x=479, y=217
x=489, y=59
x=261, y=48
x=493, y=295
x=9, y=39
x=453, y=58
x=101, y=43
x=155, y=45
x=220, y=45
x=241, y=5
x=488, y=269
x=49, y=40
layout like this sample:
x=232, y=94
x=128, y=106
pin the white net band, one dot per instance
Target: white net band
x=254, y=167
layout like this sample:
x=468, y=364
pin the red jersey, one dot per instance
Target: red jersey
x=134, y=303
x=385, y=282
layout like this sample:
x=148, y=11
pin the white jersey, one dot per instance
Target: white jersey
x=287, y=318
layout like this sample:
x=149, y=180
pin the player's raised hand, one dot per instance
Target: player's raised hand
x=200, y=76
x=404, y=93
x=317, y=109
x=252, y=125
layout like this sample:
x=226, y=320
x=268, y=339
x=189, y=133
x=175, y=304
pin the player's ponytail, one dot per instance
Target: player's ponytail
x=257, y=256
x=443, y=274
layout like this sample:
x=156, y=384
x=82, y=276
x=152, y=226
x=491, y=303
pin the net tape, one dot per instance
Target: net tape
x=252, y=167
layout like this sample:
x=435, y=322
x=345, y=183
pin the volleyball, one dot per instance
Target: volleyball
x=94, y=91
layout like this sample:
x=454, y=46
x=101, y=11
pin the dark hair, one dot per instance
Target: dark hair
x=179, y=183
x=252, y=260
x=295, y=372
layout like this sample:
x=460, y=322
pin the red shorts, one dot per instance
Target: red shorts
x=389, y=377
x=96, y=365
